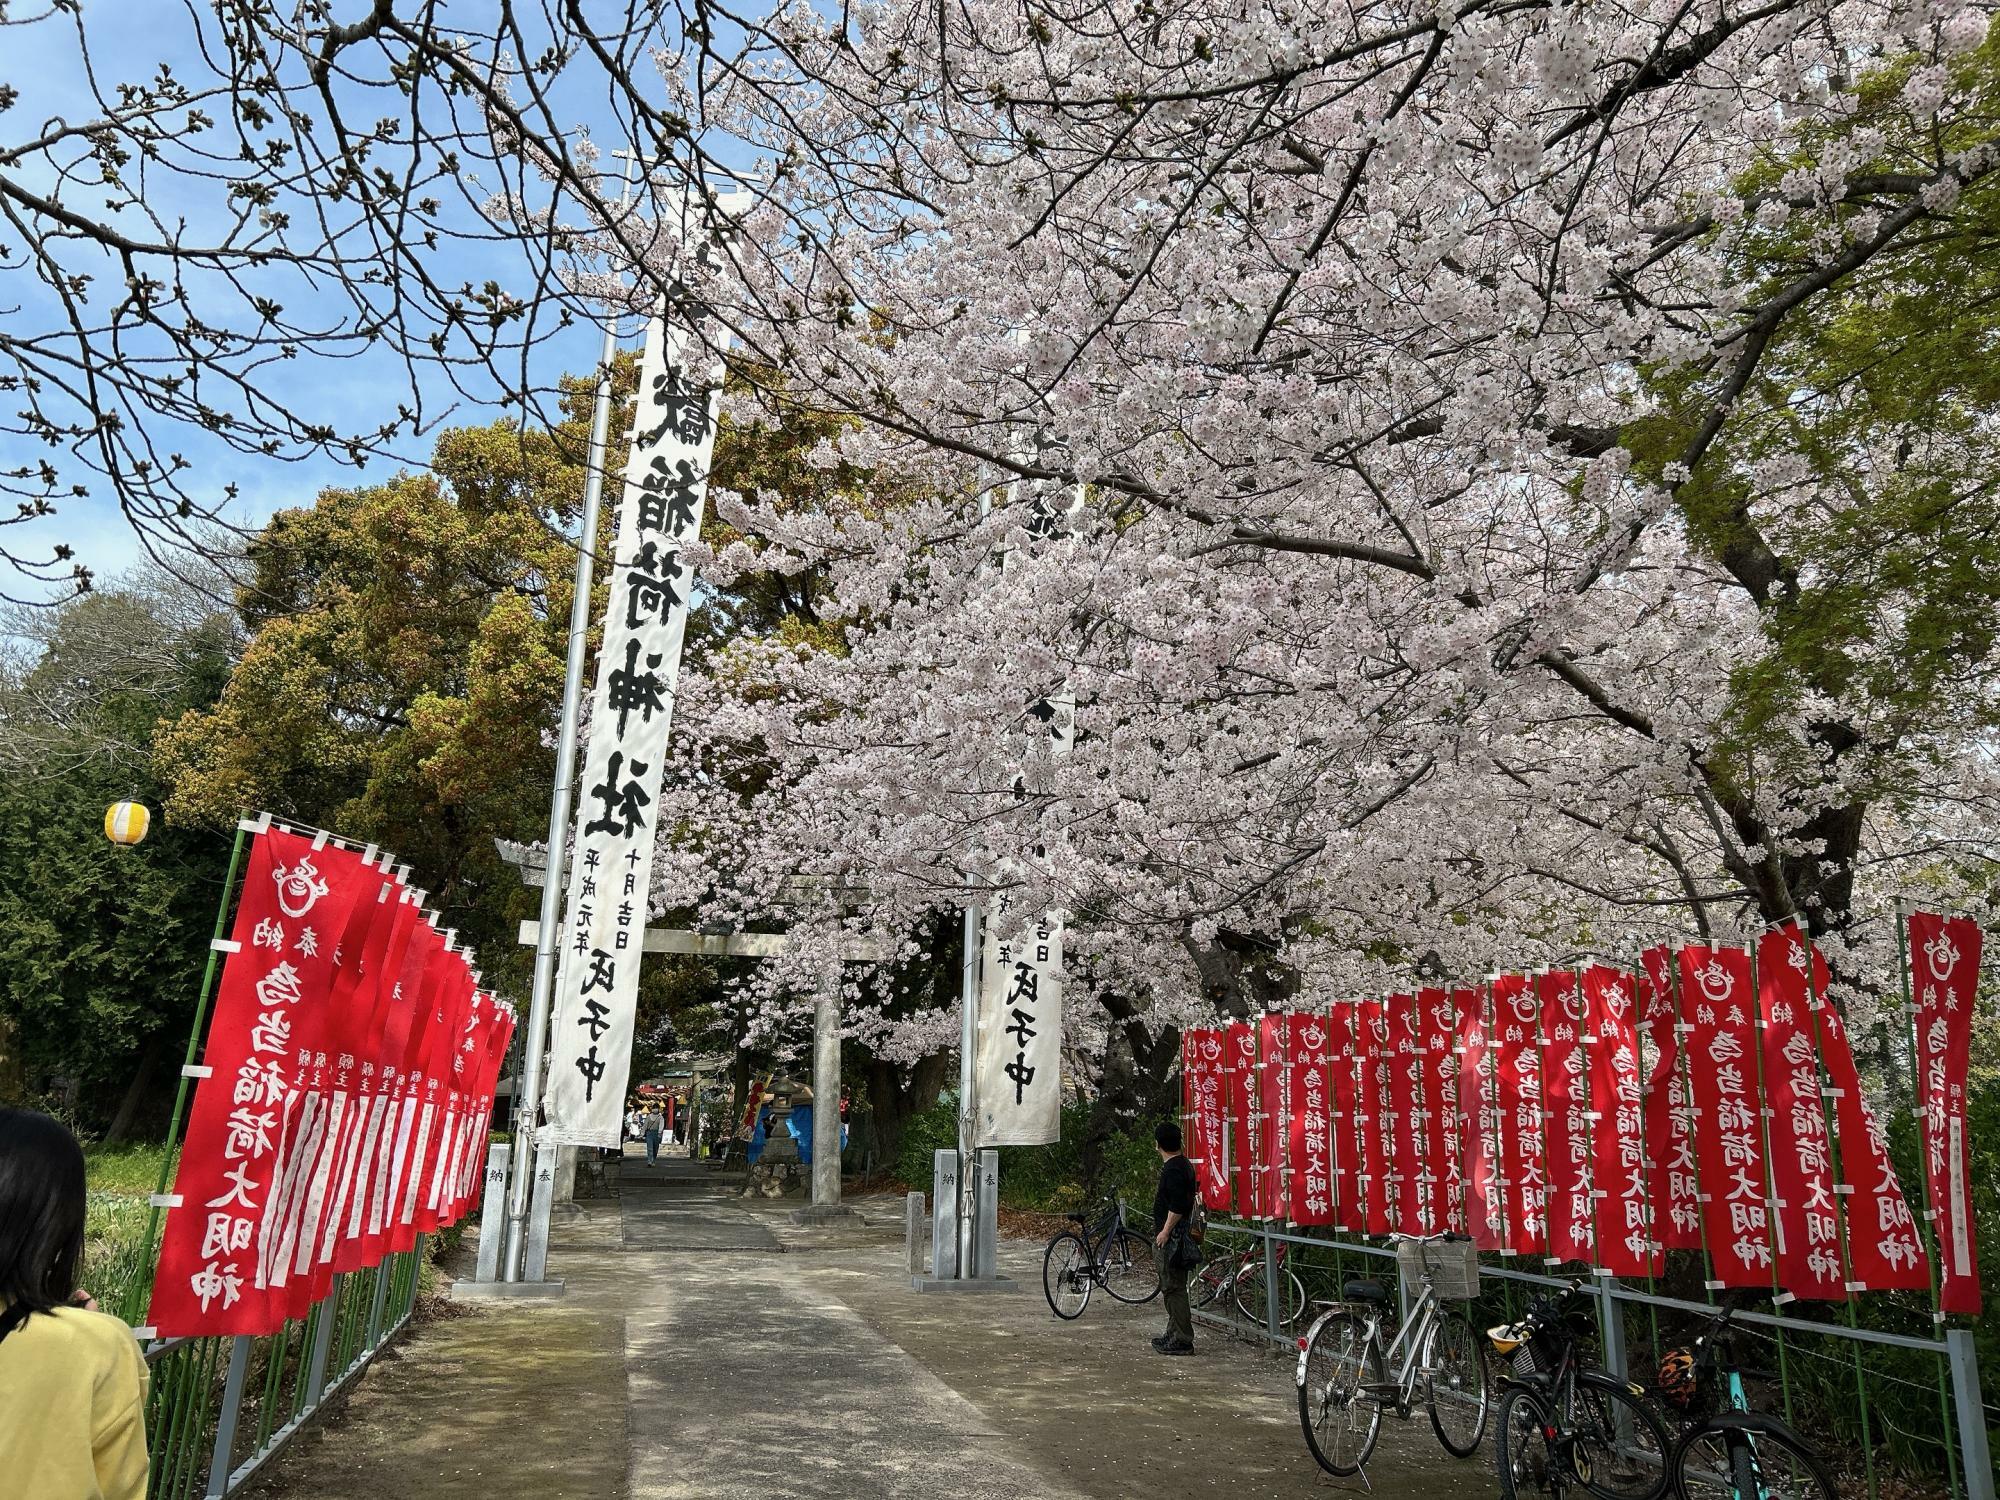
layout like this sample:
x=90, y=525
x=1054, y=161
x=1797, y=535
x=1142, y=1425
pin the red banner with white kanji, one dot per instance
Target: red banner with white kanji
x=1807, y=1215
x=294, y=905
x=1943, y=955
x=1309, y=1144
x=1381, y=1210
x=1479, y=1123
x=1619, y=1165
x=1518, y=1081
x=1884, y=1252
x=1566, y=1142
x=1718, y=1005
x=1442, y=1148
x=1239, y=1045
x=1348, y=1189
x=1208, y=1134
x=1272, y=1105
x=1676, y=1208
x=1403, y=1127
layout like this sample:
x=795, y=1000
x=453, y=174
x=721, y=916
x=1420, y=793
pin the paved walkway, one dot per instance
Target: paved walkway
x=711, y=1348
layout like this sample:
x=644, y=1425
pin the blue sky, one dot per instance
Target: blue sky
x=41, y=61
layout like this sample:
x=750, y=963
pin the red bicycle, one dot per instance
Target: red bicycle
x=1237, y=1276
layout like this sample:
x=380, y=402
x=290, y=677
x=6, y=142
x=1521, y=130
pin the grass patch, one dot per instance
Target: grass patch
x=115, y=1268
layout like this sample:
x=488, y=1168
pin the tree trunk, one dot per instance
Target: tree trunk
x=1136, y=1081
x=135, y=1093
x=898, y=1094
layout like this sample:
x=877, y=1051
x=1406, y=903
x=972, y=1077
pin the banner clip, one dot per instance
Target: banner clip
x=224, y=945
x=197, y=1070
x=164, y=1200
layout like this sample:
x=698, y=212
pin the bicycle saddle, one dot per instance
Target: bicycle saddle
x=1360, y=1290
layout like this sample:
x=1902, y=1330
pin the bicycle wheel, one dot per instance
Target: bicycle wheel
x=1130, y=1273
x=1067, y=1275
x=1526, y=1465
x=1253, y=1305
x=1455, y=1360
x=1618, y=1449
x=1213, y=1279
x=1340, y=1404
x=1743, y=1453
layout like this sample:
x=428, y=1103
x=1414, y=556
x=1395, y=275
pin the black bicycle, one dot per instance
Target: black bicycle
x=1565, y=1424
x=1111, y=1255
x=1727, y=1451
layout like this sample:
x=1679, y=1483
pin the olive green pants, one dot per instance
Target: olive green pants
x=1173, y=1288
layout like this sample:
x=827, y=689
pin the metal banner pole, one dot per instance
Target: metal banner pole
x=527, y=1100
x=965, y=1209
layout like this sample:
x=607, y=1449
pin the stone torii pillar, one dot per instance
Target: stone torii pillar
x=826, y=1205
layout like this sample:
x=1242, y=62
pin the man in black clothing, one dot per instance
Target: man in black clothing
x=1173, y=1202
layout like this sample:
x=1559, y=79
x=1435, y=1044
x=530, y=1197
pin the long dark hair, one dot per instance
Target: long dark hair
x=41, y=1215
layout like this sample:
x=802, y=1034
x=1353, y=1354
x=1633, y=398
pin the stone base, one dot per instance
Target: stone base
x=826, y=1213
x=495, y=1291
x=952, y=1284
x=774, y=1179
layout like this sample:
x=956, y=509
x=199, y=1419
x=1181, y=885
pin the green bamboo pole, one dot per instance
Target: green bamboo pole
x=132, y=1308
x=1926, y=1223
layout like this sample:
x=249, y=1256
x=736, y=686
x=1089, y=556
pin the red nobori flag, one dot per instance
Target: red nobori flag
x=1402, y=1142
x=1717, y=1010
x=1808, y=1217
x=1669, y=1124
x=1209, y=1115
x=294, y=905
x=1239, y=1050
x=1271, y=1117
x=1944, y=983
x=1518, y=1077
x=1444, y=1146
x=1381, y=1208
x=344, y=1235
x=317, y=1114
x=1620, y=1169
x=1308, y=1064
x=1347, y=1187
x=1566, y=1099
x=407, y=1039
x=497, y=1030
x=438, y=1108
x=1479, y=1123
x=1883, y=1250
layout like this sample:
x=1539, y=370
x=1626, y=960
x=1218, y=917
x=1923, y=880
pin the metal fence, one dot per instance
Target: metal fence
x=1635, y=1326
x=219, y=1408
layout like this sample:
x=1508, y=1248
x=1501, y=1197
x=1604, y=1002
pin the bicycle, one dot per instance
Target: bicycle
x=1564, y=1423
x=1239, y=1276
x=1115, y=1257
x=1728, y=1451
x=1340, y=1376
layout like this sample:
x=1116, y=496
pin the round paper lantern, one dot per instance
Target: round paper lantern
x=127, y=822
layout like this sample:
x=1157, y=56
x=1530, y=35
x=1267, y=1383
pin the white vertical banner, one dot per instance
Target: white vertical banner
x=638, y=670
x=1017, y=1085
x=1019, y=1076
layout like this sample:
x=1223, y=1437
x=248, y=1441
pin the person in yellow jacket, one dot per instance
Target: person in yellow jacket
x=72, y=1379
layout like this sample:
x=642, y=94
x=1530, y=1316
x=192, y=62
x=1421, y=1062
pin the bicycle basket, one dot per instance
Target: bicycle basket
x=1453, y=1266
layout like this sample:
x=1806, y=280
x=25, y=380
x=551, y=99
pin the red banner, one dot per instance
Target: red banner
x=1443, y=1146
x=1808, y=1219
x=294, y=904
x=1566, y=1134
x=1208, y=1115
x=1381, y=1211
x=1348, y=1212
x=1717, y=1003
x=1943, y=957
x=1239, y=1046
x=1271, y=1104
x=1404, y=1130
x=1479, y=1122
x=1518, y=1077
x=1309, y=1144
x=1625, y=1239
x=1883, y=1250
x=1669, y=1124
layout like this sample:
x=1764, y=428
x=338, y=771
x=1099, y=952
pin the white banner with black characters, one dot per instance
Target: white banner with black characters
x=638, y=669
x=1017, y=1084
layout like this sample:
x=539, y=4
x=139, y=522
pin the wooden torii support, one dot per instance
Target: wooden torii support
x=826, y=1205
